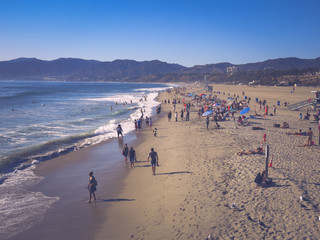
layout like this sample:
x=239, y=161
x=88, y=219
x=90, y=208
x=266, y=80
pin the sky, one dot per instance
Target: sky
x=186, y=32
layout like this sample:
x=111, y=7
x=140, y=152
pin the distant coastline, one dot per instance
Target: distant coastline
x=282, y=71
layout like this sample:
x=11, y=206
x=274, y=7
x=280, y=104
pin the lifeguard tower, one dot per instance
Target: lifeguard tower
x=314, y=102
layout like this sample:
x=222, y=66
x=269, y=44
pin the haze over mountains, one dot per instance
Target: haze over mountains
x=71, y=69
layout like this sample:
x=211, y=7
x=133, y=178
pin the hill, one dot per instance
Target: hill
x=72, y=69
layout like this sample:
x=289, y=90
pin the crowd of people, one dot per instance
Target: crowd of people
x=222, y=110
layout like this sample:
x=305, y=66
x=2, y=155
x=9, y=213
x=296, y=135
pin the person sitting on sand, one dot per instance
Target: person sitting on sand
x=258, y=180
x=257, y=128
x=285, y=125
x=256, y=114
x=249, y=152
x=299, y=133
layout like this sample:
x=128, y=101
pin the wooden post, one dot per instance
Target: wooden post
x=267, y=159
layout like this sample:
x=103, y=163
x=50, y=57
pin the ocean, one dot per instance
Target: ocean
x=42, y=120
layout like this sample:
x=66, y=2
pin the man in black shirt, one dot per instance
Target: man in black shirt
x=154, y=160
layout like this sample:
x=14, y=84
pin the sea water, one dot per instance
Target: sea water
x=42, y=120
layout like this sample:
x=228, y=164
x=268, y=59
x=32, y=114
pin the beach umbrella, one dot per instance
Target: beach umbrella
x=216, y=104
x=207, y=113
x=245, y=110
x=190, y=95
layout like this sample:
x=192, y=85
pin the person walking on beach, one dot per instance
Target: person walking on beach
x=125, y=152
x=154, y=160
x=169, y=116
x=119, y=130
x=187, y=116
x=176, y=115
x=309, y=137
x=207, y=122
x=132, y=157
x=92, y=187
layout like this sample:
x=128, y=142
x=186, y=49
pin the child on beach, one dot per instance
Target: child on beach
x=155, y=132
x=92, y=187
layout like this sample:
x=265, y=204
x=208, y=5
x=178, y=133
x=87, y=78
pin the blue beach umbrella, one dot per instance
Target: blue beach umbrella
x=190, y=95
x=245, y=110
x=207, y=113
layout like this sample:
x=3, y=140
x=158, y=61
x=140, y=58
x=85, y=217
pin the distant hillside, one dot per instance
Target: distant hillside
x=274, y=64
x=71, y=69
x=79, y=69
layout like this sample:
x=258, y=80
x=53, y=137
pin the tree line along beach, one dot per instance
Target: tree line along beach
x=202, y=186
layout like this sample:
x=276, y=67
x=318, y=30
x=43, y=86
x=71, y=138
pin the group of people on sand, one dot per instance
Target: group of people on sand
x=309, y=135
x=153, y=157
x=132, y=155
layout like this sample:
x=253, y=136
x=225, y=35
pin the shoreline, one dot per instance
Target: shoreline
x=200, y=176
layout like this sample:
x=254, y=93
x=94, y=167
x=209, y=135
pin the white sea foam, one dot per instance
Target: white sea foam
x=21, y=209
x=147, y=107
x=150, y=89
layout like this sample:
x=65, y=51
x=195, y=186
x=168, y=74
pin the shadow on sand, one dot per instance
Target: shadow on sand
x=116, y=200
x=172, y=173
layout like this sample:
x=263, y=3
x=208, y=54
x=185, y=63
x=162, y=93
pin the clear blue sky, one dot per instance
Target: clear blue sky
x=187, y=32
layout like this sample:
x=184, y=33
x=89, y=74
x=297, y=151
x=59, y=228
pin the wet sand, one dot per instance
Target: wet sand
x=199, y=177
x=67, y=177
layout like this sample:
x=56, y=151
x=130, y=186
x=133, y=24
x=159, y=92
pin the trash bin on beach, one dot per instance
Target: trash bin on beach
x=257, y=99
x=245, y=97
x=278, y=103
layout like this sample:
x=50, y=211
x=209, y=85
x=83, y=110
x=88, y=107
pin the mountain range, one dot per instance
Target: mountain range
x=72, y=69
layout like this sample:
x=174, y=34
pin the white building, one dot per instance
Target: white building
x=232, y=70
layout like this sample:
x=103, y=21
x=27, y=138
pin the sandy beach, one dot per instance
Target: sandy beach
x=199, y=178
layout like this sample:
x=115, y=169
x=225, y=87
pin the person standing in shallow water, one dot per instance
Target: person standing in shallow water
x=92, y=187
x=154, y=160
x=119, y=130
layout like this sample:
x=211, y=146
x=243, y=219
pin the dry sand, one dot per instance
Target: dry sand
x=200, y=176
